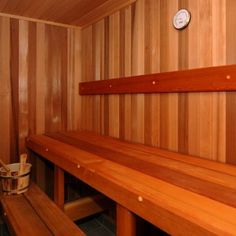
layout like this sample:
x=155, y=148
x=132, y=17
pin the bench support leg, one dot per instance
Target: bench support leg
x=59, y=187
x=125, y=222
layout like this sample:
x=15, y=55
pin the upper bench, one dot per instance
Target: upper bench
x=178, y=193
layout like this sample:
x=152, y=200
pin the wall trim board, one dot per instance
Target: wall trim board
x=39, y=21
x=209, y=79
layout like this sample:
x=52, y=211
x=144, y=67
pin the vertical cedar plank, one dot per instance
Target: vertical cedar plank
x=138, y=50
x=98, y=44
x=122, y=61
x=230, y=97
x=219, y=58
x=183, y=97
x=5, y=92
x=41, y=48
x=152, y=65
x=206, y=99
x=32, y=78
x=14, y=79
x=106, y=76
x=56, y=70
x=73, y=78
x=114, y=67
x=87, y=74
x=169, y=62
x=194, y=115
x=23, y=84
x=127, y=69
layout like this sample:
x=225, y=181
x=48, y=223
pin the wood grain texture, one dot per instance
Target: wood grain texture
x=53, y=217
x=13, y=208
x=38, y=71
x=194, y=123
x=80, y=13
x=177, y=210
x=5, y=89
x=172, y=172
x=126, y=222
x=221, y=78
x=87, y=206
x=230, y=97
x=59, y=187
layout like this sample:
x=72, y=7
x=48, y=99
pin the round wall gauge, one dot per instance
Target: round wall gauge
x=181, y=19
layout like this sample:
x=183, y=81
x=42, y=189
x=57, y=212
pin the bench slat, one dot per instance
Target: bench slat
x=53, y=217
x=21, y=217
x=33, y=213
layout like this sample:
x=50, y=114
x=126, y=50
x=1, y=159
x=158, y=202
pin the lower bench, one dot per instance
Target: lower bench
x=33, y=213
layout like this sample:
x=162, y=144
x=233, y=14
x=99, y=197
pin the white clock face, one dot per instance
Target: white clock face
x=181, y=19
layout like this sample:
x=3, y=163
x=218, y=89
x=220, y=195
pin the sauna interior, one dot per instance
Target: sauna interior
x=128, y=121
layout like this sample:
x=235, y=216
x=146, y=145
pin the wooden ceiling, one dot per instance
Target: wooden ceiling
x=73, y=12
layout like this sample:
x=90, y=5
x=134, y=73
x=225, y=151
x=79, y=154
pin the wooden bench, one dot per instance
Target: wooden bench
x=180, y=194
x=33, y=213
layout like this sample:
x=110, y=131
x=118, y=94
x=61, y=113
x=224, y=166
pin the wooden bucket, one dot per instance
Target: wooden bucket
x=13, y=182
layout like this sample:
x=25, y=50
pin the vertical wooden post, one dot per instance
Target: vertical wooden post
x=59, y=187
x=125, y=222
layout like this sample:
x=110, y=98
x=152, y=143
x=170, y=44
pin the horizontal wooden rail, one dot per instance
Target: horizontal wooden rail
x=86, y=206
x=220, y=78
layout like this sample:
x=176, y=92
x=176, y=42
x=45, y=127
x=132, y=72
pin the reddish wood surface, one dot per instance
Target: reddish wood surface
x=221, y=78
x=126, y=223
x=33, y=213
x=132, y=180
x=59, y=190
x=174, y=173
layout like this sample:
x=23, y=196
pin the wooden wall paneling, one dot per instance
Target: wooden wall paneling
x=56, y=69
x=169, y=62
x=98, y=49
x=219, y=58
x=230, y=97
x=41, y=47
x=200, y=105
x=138, y=52
x=64, y=78
x=183, y=97
x=154, y=51
x=205, y=56
x=105, y=66
x=32, y=40
x=125, y=34
x=23, y=84
x=5, y=91
x=14, y=82
x=152, y=65
x=122, y=72
x=73, y=78
x=87, y=74
x=114, y=71
x=193, y=99
x=71, y=116
x=127, y=67
x=195, y=123
x=41, y=85
x=210, y=129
